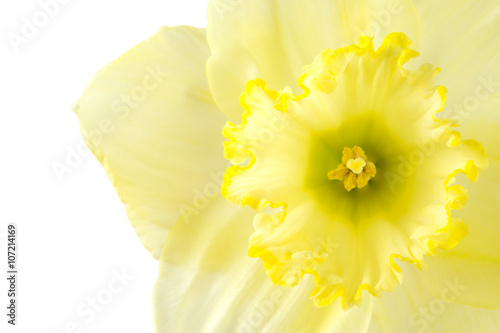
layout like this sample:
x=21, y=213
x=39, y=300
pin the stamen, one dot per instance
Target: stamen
x=355, y=169
x=356, y=165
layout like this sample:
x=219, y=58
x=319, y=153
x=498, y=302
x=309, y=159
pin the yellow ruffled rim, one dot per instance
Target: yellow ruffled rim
x=456, y=195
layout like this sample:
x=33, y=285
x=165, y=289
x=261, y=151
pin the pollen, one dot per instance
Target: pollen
x=355, y=169
x=356, y=165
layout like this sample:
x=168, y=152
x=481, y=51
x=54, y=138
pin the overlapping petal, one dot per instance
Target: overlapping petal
x=416, y=307
x=462, y=37
x=273, y=40
x=150, y=120
x=207, y=283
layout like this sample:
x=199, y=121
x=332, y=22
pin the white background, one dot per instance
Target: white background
x=73, y=231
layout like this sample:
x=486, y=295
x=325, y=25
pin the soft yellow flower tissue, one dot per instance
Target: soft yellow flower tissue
x=312, y=165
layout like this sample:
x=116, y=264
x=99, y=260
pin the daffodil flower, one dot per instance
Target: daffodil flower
x=312, y=166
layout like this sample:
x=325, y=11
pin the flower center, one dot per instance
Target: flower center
x=286, y=153
x=355, y=169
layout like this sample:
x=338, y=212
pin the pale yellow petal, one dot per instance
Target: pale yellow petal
x=273, y=40
x=478, y=274
x=150, y=120
x=207, y=283
x=484, y=125
x=413, y=307
x=461, y=37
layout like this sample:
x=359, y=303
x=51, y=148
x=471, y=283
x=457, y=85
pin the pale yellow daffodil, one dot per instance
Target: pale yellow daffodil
x=312, y=165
